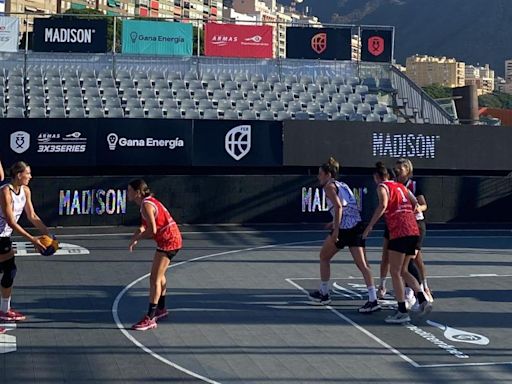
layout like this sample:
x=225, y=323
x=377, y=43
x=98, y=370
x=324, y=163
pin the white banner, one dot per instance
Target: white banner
x=9, y=34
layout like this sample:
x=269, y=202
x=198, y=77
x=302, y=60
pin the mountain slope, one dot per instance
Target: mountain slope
x=474, y=31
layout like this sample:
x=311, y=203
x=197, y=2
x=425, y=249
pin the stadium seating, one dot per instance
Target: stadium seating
x=131, y=92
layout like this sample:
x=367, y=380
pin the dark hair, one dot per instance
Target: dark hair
x=141, y=186
x=16, y=168
x=382, y=171
x=332, y=167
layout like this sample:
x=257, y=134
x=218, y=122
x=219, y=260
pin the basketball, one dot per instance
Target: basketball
x=52, y=245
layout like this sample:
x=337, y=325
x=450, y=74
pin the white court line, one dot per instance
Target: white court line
x=465, y=364
x=115, y=307
x=361, y=329
x=473, y=275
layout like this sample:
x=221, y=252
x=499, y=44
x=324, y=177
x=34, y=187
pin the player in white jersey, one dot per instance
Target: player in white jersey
x=347, y=229
x=15, y=198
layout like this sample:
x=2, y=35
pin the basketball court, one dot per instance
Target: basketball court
x=239, y=312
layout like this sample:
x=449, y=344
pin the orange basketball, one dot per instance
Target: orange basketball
x=51, y=245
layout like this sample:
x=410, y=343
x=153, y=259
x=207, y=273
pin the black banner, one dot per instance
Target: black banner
x=448, y=147
x=157, y=142
x=69, y=34
x=319, y=43
x=237, y=143
x=377, y=45
x=49, y=142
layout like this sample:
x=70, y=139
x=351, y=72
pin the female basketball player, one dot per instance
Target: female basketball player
x=14, y=199
x=396, y=203
x=158, y=224
x=403, y=172
x=347, y=230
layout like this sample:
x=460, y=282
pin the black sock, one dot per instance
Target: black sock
x=421, y=297
x=151, y=310
x=161, y=302
x=401, y=307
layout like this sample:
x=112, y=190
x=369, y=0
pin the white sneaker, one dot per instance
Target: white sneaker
x=410, y=302
x=398, y=318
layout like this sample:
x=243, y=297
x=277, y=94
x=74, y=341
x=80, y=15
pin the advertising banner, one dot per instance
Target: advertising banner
x=9, y=33
x=157, y=38
x=237, y=143
x=159, y=143
x=361, y=145
x=319, y=43
x=377, y=45
x=230, y=40
x=69, y=34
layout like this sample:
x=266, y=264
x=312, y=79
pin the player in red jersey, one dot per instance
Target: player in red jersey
x=396, y=203
x=158, y=224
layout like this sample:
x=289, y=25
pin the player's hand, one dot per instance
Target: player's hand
x=417, y=208
x=329, y=226
x=38, y=245
x=132, y=245
x=366, y=232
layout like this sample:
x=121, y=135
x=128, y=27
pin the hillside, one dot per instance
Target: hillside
x=474, y=31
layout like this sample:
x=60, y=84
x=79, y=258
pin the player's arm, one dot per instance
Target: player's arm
x=31, y=214
x=422, y=203
x=148, y=212
x=330, y=192
x=379, y=211
x=2, y=174
x=6, y=204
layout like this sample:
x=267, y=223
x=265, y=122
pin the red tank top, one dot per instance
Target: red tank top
x=399, y=215
x=168, y=235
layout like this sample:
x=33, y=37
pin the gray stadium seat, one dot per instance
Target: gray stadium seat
x=362, y=90
x=171, y=76
x=155, y=113
x=339, y=116
x=322, y=98
x=331, y=108
x=183, y=94
x=200, y=94
x=76, y=113
x=270, y=96
x=109, y=92
x=305, y=98
x=230, y=86
x=298, y=88
x=290, y=79
x=287, y=97
x=114, y=112
x=273, y=78
x=95, y=113
x=208, y=76
x=302, y=116
x=314, y=88
x=165, y=94
x=112, y=103
x=210, y=114
x=345, y=90
x=187, y=105
x=94, y=102
x=161, y=84
x=173, y=114
x=37, y=113
x=36, y=100
x=192, y=114
x=279, y=88
x=390, y=118
x=189, y=76
x=263, y=87
x=236, y=95
x=195, y=84
x=277, y=106
x=213, y=85
x=322, y=80
x=57, y=113
x=294, y=106
x=321, y=116
x=248, y=115
x=364, y=109
x=156, y=75
x=224, y=77
x=253, y=96
x=385, y=85
x=259, y=106
x=224, y=105
x=16, y=101
x=373, y=118
x=241, y=77
x=242, y=105
x=338, y=81
x=246, y=86
x=204, y=104
x=330, y=89
x=347, y=109
x=283, y=115
x=151, y=103
x=257, y=78
x=353, y=81
x=136, y=113
x=371, y=99
x=356, y=117
x=371, y=84
x=219, y=94
x=355, y=99
x=380, y=109
x=266, y=115
x=170, y=104
x=313, y=108
x=339, y=99
x=133, y=103
x=231, y=115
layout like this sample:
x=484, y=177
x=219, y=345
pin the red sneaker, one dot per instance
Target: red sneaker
x=145, y=324
x=161, y=313
x=2, y=330
x=12, y=315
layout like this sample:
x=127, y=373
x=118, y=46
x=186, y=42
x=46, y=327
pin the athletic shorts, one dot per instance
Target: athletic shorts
x=422, y=226
x=352, y=237
x=169, y=254
x=405, y=245
x=5, y=245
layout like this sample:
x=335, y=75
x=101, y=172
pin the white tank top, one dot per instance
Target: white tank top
x=350, y=216
x=18, y=205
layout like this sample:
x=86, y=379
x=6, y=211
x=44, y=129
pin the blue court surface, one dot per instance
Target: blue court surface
x=239, y=312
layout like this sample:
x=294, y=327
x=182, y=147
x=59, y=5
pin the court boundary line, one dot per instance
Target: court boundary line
x=386, y=345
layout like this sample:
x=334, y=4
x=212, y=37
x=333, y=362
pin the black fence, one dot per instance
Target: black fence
x=72, y=201
x=107, y=144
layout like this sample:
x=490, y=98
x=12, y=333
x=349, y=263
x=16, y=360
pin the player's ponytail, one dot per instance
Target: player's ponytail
x=17, y=168
x=139, y=185
x=332, y=167
x=382, y=171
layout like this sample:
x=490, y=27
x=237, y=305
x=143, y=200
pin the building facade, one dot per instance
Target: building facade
x=481, y=77
x=428, y=70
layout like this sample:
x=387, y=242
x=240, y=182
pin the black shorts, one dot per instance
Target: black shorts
x=405, y=245
x=169, y=254
x=352, y=237
x=422, y=226
x=5, y=245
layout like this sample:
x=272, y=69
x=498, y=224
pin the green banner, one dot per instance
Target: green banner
x=157, y=38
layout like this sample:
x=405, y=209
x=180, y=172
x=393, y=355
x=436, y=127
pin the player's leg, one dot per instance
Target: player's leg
x=329, y=249
x=9, y=271
x=358, y=254
x=160, y=264
x=396, y=261
x=384, y=270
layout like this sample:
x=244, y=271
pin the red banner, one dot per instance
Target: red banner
x=230, y=40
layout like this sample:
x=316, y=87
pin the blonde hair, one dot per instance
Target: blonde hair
x=408, y=165
x=332, y=167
